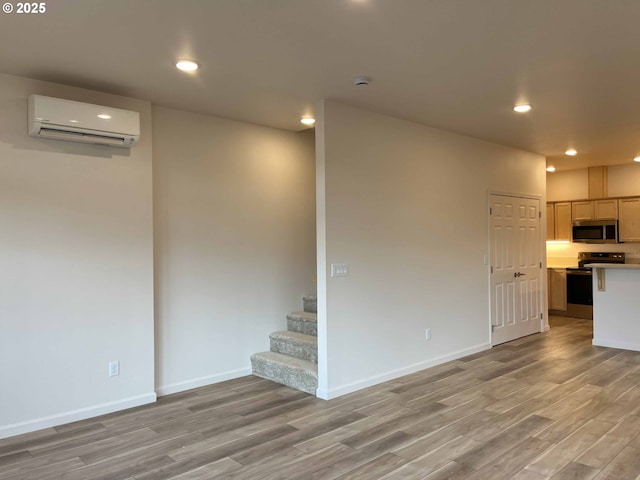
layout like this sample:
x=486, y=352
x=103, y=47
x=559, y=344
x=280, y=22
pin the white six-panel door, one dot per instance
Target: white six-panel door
x=516, y=278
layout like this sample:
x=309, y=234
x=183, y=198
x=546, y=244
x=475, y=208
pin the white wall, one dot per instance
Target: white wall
x=235, y=242
x=407, y=209
x=76, y=267
x=624, y=180
x=568, y=185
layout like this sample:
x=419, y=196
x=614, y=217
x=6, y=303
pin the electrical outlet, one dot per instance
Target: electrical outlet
x=114, y=369
x=427, y=334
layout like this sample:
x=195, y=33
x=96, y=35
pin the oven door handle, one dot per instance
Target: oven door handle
x=579, y=272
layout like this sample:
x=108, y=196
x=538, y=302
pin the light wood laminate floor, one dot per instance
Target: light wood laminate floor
x=545, y=406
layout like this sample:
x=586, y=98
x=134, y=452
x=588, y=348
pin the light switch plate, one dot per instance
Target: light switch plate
x=339, y=270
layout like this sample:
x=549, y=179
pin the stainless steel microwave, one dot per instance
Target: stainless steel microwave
x=595, y=231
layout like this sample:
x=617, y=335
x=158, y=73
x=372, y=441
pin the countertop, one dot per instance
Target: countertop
x=630, y=266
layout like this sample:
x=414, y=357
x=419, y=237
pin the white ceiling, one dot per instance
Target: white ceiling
x=459, y=65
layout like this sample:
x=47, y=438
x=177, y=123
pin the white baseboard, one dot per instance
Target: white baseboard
x=202, y=381
x=604, y=342
x=75, y=415
x=416, y=367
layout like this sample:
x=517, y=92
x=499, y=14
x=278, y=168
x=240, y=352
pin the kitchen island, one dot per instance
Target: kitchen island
x=616, y=305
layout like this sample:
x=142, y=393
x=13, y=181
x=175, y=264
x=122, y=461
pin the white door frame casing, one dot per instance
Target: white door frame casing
x=542, y=302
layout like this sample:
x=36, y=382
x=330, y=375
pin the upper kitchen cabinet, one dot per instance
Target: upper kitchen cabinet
x=629, y=219
x=551, y=218
x=604, y=209
x=562, y=220
x=582, y=210
x=598, y=182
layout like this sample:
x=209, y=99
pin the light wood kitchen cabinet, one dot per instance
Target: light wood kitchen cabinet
x=629, y=219
x=562, y=220
x=598, y=182
x=558, y=289
x=582, y=210
x=551, y=227
x=604, y=209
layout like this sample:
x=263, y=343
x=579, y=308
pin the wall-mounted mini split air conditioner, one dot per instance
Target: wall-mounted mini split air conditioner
x=60, y=119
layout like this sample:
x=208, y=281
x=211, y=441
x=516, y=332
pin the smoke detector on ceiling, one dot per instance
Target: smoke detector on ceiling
x=361, y=81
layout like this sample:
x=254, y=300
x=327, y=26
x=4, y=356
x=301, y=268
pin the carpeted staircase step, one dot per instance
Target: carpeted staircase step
x=293, y=372
x=303, y=322
x=310, y=303
x=294, y=344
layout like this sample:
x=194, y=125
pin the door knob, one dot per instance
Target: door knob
x=519, y=274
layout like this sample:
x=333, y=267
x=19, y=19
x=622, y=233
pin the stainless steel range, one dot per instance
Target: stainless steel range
x=579, y=282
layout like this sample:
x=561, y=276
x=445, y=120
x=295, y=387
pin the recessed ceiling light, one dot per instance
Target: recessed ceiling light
x=524, y=108
x=551, y=169
x=637, y=159
x=308, y=120
x=572, y=152
x=361, y=81
x=104, y=116
x=187, y=65
x=74, y=121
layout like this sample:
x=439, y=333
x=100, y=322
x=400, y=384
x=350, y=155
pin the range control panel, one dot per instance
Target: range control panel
x=600, y=257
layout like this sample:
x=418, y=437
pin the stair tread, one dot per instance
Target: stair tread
x=308, y=367
x=295, y=337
